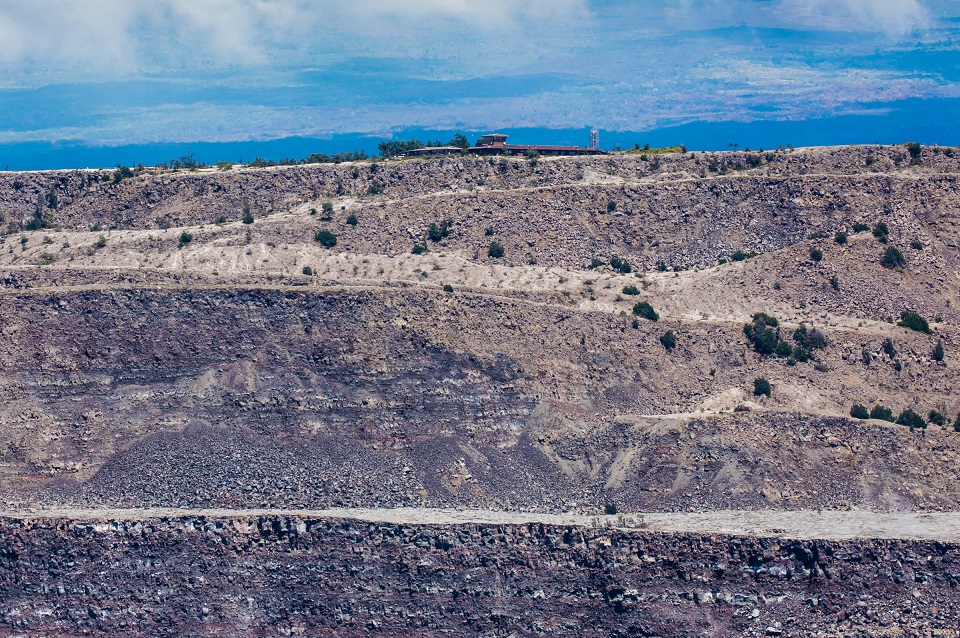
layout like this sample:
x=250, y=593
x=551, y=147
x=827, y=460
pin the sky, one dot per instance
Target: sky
x=173, y=74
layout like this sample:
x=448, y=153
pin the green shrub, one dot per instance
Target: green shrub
x=313, y=211
x=611, y=206
x=495, y=250
x=631, y=290
x=815, y=253
x=761, y=387
x=100, y=243
x=668, y=340
x=916, y=245
x=621, y=265
x=636, y=324
x=741, y=255
x=419, y=249
x=352, y=219
x=447, y=288
x=645, y=310
x=308, y=271
x=488, y=232
x=220, y=220
x=937, y=418
x=956, y=423
x=247, y=217
x=764, y=335
x=938, y=351
x=326, y=238
x=374, y=189
x=609, y=509
x=911, y=419
x=881, y=232
x=185, y=238
x=882, y=413
x=860, y=227
x=888, y=348
x=840, y=237
x=913, y=321
x=595, y=263
x=436, y=232
x=835, y=283
x=859, y=412
x=327, y=208
x=893, y=258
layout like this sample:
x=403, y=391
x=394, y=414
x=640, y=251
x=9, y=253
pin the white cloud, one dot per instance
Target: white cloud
x=122, y=37
x=893, y=17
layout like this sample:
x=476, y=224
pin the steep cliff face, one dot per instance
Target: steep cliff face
x=297, y=398
x=293, y=576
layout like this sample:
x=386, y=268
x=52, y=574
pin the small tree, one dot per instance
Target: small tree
x=882, y=413
x=859, y=412
x=611, y=206
x=308, y=271
x=185, y=238
x=668, y=340
x=495, y=250
x=938, y=351
x=840, y=237
x=326, y=238
x=248, y=217
x=881, y=232
x=645, y=310
x=936, y=417
x=889, y=348
x=327, y=208
x=893, y=258
x=911, y=419
x=631, y=290
x=352, y=219
x=761, y=387
x=860, y=227
x=913, y=321
x=815, y=253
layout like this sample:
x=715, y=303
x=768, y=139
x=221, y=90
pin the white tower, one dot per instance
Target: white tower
x=595, y=139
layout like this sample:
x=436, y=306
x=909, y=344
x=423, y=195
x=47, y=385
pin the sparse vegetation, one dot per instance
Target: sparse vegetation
x=668, y=340
x=326, y=238
x=938, y=353
x=741, y=255
x=860, y=227
x=911, y=419
x=620, y=265
x=352, y=219
x=327, y=208
x=889, y=348
x=859, y=412
x=916, y=244
x=913, y=321
x=881, y=232
x=645, y=310
x=881, y=413
x=936, y=418
x=893, y=258
x=418, y=249
x=840, y=237
x=631, y=290
x=816, y=254
x=437, y=232
x=495, y=250
x=761, y=387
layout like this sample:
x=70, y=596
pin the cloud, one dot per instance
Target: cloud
x=52, y=37
x=893, y=17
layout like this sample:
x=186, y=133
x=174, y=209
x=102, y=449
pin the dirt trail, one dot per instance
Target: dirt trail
x=826, y=525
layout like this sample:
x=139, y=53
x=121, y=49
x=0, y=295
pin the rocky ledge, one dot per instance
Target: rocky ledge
x=285, y=575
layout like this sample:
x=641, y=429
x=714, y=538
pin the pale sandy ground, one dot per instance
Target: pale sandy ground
x=806, y=525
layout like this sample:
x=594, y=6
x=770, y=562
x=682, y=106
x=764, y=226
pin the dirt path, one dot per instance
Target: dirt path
x=827, y=525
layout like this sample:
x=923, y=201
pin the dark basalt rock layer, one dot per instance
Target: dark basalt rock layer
x=289, y=576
